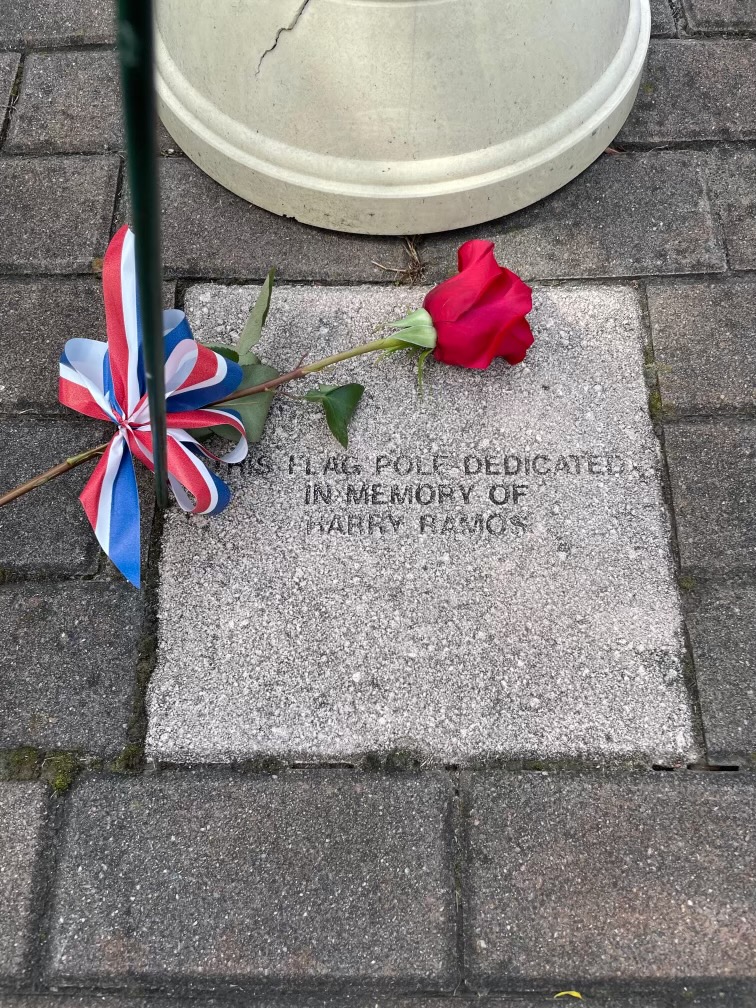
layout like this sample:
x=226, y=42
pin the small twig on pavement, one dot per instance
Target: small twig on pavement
x=412, y=272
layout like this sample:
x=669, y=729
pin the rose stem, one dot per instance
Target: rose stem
x=58, y=470
x=301, y=372
x=63, y=467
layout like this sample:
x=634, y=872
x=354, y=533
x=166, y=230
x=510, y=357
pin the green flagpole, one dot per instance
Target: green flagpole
x=136, y=47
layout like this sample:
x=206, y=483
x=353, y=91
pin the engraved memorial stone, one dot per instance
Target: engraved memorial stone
x=483, y=572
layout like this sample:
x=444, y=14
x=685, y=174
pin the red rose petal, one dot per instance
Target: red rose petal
x=475, y=251
x=480, y=334
x=479, y=314
x=447, y=301
x=515, y=342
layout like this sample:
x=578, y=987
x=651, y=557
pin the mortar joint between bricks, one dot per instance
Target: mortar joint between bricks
x=12, y=100
x=702, y=144
x=747, y=413
x=132, y=757
x=57, y=46
x=44, y=575
x=651, y=376
x=115, y=220
x=459, y=859
x=44, y=765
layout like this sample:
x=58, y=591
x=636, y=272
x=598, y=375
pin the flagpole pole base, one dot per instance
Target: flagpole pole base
x=397, y=117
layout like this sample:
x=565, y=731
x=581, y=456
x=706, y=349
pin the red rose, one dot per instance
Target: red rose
x=480, y=313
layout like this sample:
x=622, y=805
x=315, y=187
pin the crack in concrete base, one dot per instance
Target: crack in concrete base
x=285, y=28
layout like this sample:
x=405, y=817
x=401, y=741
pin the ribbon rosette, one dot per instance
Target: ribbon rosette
x=106, y=381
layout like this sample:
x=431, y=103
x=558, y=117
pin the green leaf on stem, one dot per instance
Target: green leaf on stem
x=225, y=351
x=253, y=410
x=339, y=403
x=416, y=329
x=257, y=317
x=417, y=336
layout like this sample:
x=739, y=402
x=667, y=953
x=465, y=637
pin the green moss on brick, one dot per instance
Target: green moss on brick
x=655, y=407
x=20, y=764
x=60, y=770
x=129, y=761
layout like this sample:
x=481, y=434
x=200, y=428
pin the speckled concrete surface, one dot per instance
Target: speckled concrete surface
x=463, y=628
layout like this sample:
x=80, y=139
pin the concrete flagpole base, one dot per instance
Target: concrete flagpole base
x=397, y=116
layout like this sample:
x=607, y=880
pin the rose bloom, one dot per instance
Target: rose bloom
x=479, y=314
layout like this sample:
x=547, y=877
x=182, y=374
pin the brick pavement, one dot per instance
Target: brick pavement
x=125, y=884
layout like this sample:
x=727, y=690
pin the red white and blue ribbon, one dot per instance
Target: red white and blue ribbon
x=106, y=381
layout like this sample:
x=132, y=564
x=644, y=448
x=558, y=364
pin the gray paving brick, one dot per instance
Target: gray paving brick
x=662, y=22
x=166, y=143
x=47, y=529
x=98, y=999
x=56, y=22
x=38, y=317
x=210, y=232
x=595, y=1001
x=712, y=467
x=380, y=1000
x=68, y=657
x=68, y=102
x=627, y=215
x=704, y=338
x=576, y=878
x=328, y=877
x=56, y=212
x=22, y=810
x=720, y=15
x=716, y=999
x=721, y=620
x=695, y=90
x=8, y=69
x=732, y=175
